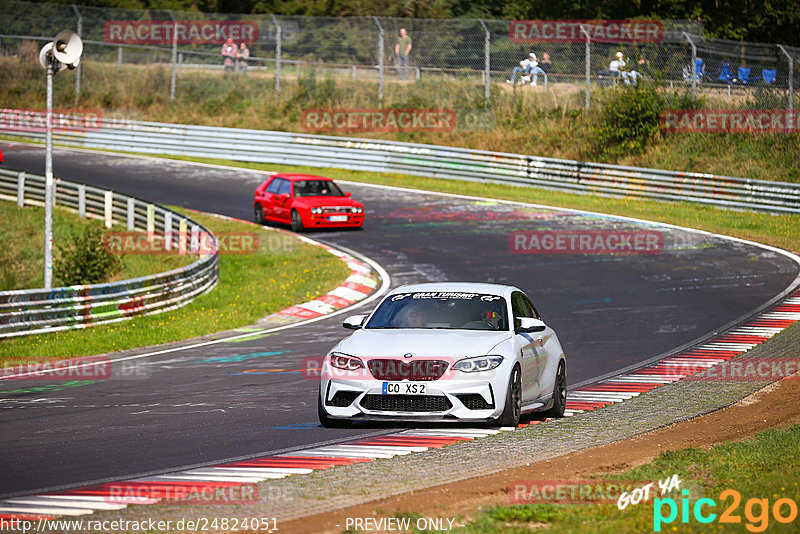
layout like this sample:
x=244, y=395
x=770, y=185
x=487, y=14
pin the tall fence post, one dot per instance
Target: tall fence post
x=693, y=68
x=119, y=58
x=486, y=64
x=791, y=76
x=278, y=55
x=173, y=76
x=588, y=66
x=79, y=70
x=380, y=57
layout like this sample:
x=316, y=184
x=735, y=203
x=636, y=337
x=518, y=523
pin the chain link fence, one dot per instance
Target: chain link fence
x=351, y=62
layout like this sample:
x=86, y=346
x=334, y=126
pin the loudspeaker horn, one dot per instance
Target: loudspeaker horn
x=46, y=57
x=67, y=48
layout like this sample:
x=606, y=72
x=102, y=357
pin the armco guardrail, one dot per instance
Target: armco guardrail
x=32, y=311
x=433, y=161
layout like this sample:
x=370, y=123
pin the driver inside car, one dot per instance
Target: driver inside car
x=492, y=318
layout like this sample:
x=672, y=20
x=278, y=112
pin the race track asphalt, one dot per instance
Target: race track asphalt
x=205, y=404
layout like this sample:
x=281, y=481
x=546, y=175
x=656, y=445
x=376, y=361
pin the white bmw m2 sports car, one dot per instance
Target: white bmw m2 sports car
x=446, y=351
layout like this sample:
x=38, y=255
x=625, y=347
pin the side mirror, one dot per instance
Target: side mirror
x=284, y=196
x=354, y=322
x=529, y=325
x=348, y=194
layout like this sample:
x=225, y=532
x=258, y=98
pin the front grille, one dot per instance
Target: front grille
x=342, y=399
x=474, y=401
x=335, y=209
x=406, y=403
x=388, y=369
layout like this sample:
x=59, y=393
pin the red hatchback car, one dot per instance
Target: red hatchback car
x=306, y=201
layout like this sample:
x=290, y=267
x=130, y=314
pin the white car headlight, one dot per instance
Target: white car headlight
x=316, y=210
x=346, y=362
x=481, y=363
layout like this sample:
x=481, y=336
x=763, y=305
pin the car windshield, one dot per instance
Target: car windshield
x=316, y=188
x=441, y=309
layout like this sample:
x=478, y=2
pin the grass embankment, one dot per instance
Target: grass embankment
x=526, y=120
x=22, y=243
x=283, y=272
x=764, y=468
x=778, y=230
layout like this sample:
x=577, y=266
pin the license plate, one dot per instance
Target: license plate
x=337, y=218
x=403, y=388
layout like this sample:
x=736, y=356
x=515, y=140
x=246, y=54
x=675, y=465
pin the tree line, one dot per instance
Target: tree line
x=769, y=21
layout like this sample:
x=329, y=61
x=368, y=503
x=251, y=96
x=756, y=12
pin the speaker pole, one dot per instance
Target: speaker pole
x=48, y=187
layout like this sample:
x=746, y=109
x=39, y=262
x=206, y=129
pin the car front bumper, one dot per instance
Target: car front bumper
x=452, y=399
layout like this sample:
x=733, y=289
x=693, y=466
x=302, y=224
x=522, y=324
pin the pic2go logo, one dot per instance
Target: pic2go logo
x=756, y=511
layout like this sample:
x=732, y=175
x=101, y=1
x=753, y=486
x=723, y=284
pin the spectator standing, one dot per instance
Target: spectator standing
x=229, y=55
x=401, y=51
x=242, y=56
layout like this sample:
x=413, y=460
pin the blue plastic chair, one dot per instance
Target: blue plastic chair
x=744, y=76
x=700, y=69
x=769, y=75
x=725, y=73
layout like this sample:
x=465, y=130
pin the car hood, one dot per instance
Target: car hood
x=423, y=343
x=314, y=202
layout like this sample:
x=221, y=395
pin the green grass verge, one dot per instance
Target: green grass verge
x=22, y=244
x=765, y=467
x=285, y=271
x=778, y=230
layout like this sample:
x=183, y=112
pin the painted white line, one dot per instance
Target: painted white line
x=46, y=500
x=250, y=471
x=333, y=453
x=208, y=478
x=42, y=510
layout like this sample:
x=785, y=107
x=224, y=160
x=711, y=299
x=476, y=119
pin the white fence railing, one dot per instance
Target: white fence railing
x=433, y=161
x=32, y=311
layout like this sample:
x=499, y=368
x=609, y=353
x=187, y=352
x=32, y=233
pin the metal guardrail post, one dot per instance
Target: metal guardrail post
x=278, y=56
x=693, y=68
x=173, y=75
x=81, y=201
x=131, y=214
x=168, y=231
x=194, y=245
x=588, y=66
x=108, y=208
x=21, y=189
x=486, y=64
x=79, y=70
x=119, y=58
x=791, y=76
x=151, y=222
x=380, y=58
x=182, y=237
